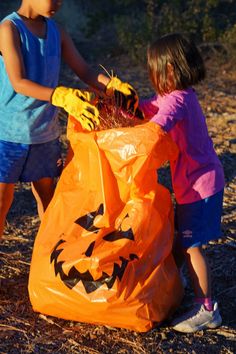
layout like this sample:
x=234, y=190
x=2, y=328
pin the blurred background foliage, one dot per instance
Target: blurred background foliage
x=134, y=23
x=127, y=26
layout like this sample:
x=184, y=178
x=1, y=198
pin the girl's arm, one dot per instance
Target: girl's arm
x=76, y=62
x=149, y=107
x=11, y=52
x=171, y=110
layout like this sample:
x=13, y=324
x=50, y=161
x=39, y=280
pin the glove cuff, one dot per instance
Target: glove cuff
x=59, y=95
x=113, y=84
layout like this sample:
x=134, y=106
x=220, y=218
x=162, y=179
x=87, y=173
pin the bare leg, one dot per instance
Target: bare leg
x=205, y=312
x=43, y=191
x=6, y=198
x=199, y=272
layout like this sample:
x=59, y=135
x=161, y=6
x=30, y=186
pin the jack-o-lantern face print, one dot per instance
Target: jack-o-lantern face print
x=73, y=276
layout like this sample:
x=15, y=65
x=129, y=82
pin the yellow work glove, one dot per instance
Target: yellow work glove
x=77, y=104
x=125, y=95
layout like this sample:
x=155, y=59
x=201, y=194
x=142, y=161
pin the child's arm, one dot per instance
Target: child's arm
x=122, y=91
x=11, y=52
x=76, y=62
x=149, y=106
x=73, y=101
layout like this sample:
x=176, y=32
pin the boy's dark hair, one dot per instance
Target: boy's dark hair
x=184, y=57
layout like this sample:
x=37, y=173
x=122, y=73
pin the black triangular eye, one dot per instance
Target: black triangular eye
x=90, y=248
x=118, y=235
x=86, y=221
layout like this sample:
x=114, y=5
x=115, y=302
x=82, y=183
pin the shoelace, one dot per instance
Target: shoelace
x=201, y=310
x=192, y=314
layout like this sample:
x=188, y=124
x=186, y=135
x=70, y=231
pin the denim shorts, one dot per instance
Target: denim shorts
x=29, y=163
x=199, y=222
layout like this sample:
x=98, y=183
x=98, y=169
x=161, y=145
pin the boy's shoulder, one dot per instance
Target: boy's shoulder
x=7, y=24
x=10, y=17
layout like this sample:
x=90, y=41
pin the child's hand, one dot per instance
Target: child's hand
x=125, y=95
x=76, y=103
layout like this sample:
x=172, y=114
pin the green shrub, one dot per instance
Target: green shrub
x=129, y=25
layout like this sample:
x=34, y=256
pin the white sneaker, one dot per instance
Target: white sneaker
x=197, y=319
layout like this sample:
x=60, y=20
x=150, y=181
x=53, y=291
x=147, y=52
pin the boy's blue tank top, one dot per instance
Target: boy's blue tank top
x=25, y=119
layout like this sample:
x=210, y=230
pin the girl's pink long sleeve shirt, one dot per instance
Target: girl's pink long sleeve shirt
x=197, y=173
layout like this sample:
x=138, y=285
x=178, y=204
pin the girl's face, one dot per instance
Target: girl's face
x=46, y=8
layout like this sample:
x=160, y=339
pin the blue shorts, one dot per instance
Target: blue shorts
x=199, y=222
x=29, y=163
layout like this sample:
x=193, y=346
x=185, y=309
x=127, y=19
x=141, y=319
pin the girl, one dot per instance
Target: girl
x=174, y=66
x=31, y=47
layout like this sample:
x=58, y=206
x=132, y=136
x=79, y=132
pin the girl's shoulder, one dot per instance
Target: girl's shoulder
x=177, y=97
x=182, y=94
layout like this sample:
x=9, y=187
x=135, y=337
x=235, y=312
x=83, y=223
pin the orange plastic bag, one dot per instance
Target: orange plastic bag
x=103, y=251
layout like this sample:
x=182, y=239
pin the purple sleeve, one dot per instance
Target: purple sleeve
x=171, y=111
x=149, y=106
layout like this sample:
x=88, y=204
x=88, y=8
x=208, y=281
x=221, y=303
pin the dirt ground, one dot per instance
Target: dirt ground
x=24, y=331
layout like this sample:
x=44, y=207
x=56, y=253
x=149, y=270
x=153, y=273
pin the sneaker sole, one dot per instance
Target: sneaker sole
x=206, y=325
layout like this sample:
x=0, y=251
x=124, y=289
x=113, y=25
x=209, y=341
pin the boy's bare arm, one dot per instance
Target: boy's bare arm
x=67, y=98
x=123, y=92
x=76, y=62
x=11, y=52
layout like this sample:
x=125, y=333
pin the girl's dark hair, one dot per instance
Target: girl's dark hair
x=184, y=57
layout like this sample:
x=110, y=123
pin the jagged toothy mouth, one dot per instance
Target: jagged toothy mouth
x=90, y=285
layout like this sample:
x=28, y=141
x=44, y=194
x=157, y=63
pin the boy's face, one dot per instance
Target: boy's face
x=46, y=8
